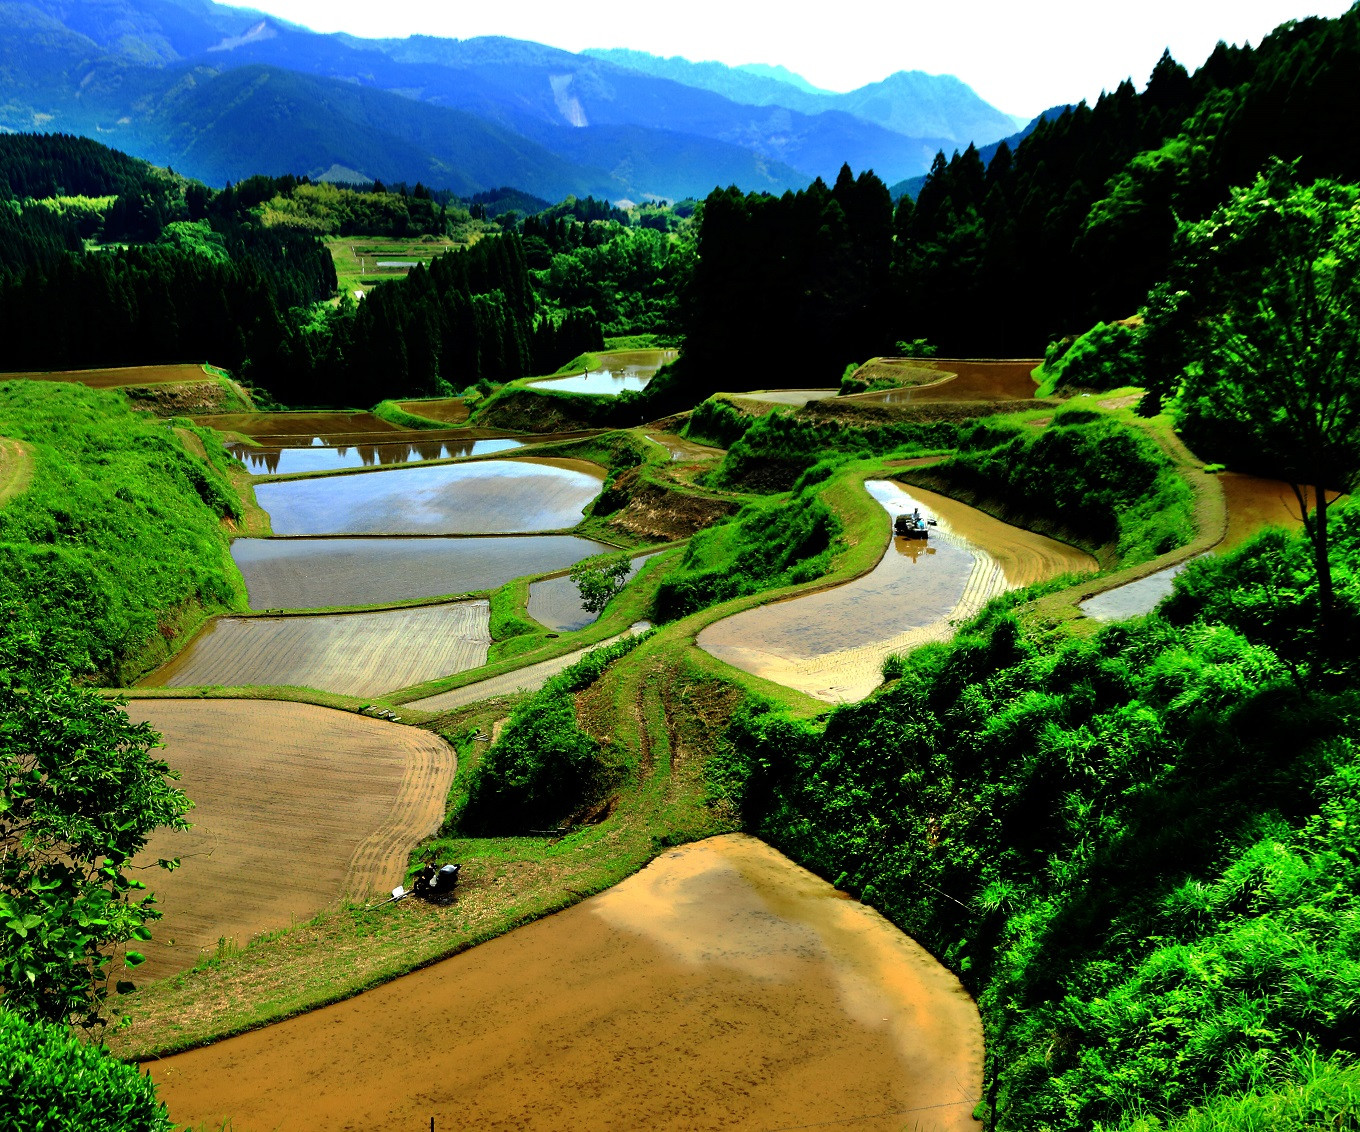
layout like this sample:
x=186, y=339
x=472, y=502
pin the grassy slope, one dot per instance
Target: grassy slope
x=119, y=537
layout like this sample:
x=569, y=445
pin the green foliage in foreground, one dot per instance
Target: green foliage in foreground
x=763, y=546
x=544, y=767
x=1106, y=357
x=118, y=538
x=1085, y=475
x=51, y=1080
x=1140, y=851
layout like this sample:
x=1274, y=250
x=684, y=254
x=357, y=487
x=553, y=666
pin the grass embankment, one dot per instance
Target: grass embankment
x=119, y=537
x=892, y=373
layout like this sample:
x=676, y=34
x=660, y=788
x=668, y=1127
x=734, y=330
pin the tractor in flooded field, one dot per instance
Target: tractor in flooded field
x=913, y=525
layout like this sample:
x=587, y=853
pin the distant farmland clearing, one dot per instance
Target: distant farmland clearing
x=358, y=654
x=121, y=375
x=296, y=806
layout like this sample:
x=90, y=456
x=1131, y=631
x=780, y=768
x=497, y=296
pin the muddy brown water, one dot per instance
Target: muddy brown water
x=831, y=644
x=282, y=460
x=723, y=987
x=973, y=381
x=556, y=602
x=486, y=497
x=318, y=573
x=331, y=427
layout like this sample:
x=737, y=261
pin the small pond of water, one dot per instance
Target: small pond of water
x=283, y=461
x=486, y=497
x=556, y=602
x=316, y=573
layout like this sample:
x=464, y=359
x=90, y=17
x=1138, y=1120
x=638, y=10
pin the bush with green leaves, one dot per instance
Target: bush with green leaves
x=1107, y=356
x=544, y=766
x=1088, y=477
x=80, y=792
x=53, y=1081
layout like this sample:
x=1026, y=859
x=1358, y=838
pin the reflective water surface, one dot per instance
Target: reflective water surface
x=486, y=497
x=622, y=371
x=269, y=460
x=556, y=602
x=314, y=573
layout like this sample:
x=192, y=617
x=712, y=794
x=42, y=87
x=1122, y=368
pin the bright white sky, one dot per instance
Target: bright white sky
x=1020, y=55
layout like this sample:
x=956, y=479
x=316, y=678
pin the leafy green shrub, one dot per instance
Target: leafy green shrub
x=544, y=766
x=51, y=1080
x=119, y=536
x=1107, y=356
x=1095, y=480
x=764, y=546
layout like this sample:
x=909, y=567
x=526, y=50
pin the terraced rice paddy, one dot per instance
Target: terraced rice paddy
x=832, y=644
x=320, y=573
x=357, y=654
x=788, y=396
x=118, y=376
x=530, y=678
x=448, y=409
x=973, y=381
x=556, y=602
x=282, y=461
x=619, y=372
x=485, y=497
x=721, y=987
x=330, y=427
x=296, y=806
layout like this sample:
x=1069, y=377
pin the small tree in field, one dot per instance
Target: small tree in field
x=79, y=794
x=1261, y=320
x=599, y=578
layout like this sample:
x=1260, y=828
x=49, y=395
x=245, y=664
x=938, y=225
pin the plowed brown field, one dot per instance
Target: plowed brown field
x=113, y=378
x=357, y=654
x=721, y=987
x=296, y=806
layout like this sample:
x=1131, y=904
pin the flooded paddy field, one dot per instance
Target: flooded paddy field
x=721, y=987
x=620, y=371
x=356, y=654
x=450, y=410
x=831, y=644
x=269, y=460
x=318, y=573
x=329, y=426
x=117, y=376
x=486, y=497
x=973, y=381
x=530, y=678
x=295, y=807
x=556, y=602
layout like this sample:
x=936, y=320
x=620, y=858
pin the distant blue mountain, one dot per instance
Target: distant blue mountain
x=219, y=92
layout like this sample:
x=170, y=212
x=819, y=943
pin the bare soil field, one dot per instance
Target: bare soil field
x=721, y=987
x=831, y=644
x=16, y=469
x=530, y=678
x=296, y=807
x=901, y=371
x=320, y=573
x=787, y=396
x=356, y=654
x=973, y=381
x=452, y=410
x=119, y=376
x=1255, y=503
x=484, y=497
x=332, y=427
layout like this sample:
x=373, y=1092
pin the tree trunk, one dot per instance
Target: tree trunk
x=1323, y=560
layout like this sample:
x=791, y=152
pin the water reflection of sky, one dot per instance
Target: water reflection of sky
x=319, y=457
x=484, y=497
x=609, y=382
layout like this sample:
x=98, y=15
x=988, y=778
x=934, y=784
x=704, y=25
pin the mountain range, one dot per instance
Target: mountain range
x=219, y=93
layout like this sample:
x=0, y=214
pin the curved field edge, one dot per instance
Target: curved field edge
x=16, y=469
x=669, y=703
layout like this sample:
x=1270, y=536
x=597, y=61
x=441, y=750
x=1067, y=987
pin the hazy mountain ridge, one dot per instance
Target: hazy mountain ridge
x=219, y=92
